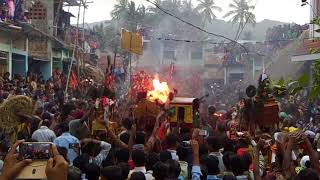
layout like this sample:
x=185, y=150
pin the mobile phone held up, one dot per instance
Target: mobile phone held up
x=203, y=132
x=239, y=134
x=35, y=150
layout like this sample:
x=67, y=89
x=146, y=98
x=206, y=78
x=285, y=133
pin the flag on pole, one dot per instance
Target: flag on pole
x=264, y=74
x=171, y=70
x=73, y=81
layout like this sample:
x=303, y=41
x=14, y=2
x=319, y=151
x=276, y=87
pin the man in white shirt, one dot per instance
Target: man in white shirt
x=44, y=134
x=138, y=157
x=98, y=150
x=214, y=148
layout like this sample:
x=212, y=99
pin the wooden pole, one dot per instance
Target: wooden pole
x=83, y=44
x=73, y=53
x=56, y=19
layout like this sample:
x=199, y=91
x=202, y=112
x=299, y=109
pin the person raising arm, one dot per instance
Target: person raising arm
x=57, y=167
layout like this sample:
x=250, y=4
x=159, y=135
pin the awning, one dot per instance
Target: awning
x=306, y=57
x=39, y=59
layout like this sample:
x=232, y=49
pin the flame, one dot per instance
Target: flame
x=160, y=91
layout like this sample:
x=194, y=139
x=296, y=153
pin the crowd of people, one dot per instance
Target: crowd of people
x=91, y=141
x=280, y=36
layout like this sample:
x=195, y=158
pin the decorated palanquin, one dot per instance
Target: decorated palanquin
x=182, y=111
x=187, y=80
x=141, y=82
x=269, y=114
x=267, y=106
x=145, y=112
x=261, y=110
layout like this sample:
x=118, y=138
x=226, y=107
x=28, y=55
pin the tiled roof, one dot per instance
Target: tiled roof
x=306, y=47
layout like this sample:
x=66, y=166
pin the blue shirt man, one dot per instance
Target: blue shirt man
x=66, y=140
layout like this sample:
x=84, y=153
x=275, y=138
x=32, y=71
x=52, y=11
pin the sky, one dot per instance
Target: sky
x=280, y=10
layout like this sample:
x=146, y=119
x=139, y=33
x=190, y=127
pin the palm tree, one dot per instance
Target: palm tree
x=206, y=9
x=241, y=14
x=120, y=9
x=154, y=10
x=135, y=15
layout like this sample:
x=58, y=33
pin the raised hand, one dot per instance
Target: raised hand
x=12, y=166
x=57, y=167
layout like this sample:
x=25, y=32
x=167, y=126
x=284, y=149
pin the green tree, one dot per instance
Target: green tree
x=126, y=15
x=206, y=9
x=135, y=16
x=120, y=10
x=241, y=13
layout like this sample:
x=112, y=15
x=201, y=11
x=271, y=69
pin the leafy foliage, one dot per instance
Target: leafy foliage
x=290, y=88
x=241, y=13
x=206, y=9
x=316, y=21
x=315, y=90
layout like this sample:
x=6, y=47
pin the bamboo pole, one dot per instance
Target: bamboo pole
x=83, y=44
x=56, y=19
x=73, y=53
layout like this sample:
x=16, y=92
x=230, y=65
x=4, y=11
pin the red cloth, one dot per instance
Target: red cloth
x=131, y=164
x=109, y=81
x=162, y=131
x=73, y=81
x=241, y=151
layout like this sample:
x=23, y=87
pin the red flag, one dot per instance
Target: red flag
x=73, y=81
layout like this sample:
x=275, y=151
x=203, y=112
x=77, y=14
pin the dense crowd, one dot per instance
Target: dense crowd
x=91, y=141
x=280, y=36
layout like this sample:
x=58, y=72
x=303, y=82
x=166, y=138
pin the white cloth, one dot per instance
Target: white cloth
x=143, y=170
x=219, y=155
x=44, y=134
x=174, y=155
x=303, y=161
x=242, y=177
x=1, y=166
x=105, y=149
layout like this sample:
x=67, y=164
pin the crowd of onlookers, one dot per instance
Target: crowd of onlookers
x=13, y=11
x=91, y=141
x=280, y=36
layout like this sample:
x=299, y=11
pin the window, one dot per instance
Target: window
x=181, y=115
x=38, y=11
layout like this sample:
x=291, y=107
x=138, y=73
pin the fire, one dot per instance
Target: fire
x=160, y=91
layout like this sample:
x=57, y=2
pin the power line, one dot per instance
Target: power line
x=197, y=27
x=210, y=42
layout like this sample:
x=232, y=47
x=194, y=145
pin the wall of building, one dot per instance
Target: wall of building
x=13, y=43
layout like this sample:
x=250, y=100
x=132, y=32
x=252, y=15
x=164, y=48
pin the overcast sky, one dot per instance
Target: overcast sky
x=281, y=10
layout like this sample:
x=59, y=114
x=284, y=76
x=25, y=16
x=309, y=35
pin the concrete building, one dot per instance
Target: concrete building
x=41, y=44
x=303, y=53
x=225, y=64
x=309, y=49
x=13, y=50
